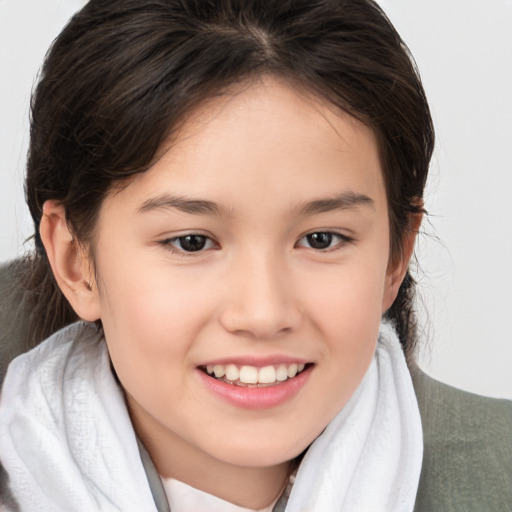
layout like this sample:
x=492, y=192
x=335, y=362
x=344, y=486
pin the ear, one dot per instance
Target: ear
x=69, y=261
x=397, y=268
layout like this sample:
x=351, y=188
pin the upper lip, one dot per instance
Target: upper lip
x=257, y=361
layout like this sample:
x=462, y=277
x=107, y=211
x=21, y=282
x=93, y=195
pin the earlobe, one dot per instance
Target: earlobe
x=398, y=268
x=69, y=261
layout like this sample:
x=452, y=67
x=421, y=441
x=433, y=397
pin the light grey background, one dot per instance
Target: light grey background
x=464, y=51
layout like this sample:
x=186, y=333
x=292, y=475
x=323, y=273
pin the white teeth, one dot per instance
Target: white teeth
x=218, y=369
x=292, y=370
x=267, y=375
x=232, y=372
x=252, y=375
x=248, y=375
x=281, y=373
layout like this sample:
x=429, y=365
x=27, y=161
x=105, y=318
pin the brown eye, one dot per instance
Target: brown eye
x=190, y=243
x=323, y=240
x=319, y=240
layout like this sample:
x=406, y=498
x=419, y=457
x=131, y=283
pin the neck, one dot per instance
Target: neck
x=174, y=457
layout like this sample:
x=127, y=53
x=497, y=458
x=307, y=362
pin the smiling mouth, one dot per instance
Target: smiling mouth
x=251, y=376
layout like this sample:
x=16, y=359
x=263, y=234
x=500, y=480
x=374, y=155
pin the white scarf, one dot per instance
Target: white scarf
x=368, y=459
x=67, y=443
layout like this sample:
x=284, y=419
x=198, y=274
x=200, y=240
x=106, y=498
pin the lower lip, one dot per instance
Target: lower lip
x=253, y=397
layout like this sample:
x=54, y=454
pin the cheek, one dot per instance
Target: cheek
x=348, y=299
x=151, y=318
x=346, y=310
x=149, y=335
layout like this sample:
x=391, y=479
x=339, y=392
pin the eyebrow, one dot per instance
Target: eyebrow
x=183, y=204
x=343, y=201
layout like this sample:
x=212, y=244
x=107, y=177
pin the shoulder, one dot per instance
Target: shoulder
x=40, y=387
x=31, y=309
x=65, y=352
x=13, y=314
x=467, y=462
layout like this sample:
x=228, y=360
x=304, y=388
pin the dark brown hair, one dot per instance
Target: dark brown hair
x=123, y=73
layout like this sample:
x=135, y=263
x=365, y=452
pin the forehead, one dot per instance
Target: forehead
x=265, y=138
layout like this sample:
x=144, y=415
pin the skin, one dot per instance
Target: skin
x=257, y=289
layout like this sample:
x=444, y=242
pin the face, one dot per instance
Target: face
x=243, y=277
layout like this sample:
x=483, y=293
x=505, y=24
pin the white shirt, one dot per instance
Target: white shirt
x=183, y=498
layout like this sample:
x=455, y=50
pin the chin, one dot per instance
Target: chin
x=260, y=454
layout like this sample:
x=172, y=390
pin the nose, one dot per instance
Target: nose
x=260, y=300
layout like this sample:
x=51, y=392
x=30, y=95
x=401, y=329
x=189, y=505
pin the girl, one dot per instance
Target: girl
x=226, y=194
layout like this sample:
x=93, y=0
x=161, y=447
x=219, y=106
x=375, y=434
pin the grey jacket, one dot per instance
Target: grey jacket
x=467, y=463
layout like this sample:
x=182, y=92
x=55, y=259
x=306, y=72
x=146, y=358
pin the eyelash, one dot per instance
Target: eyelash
x=176, y=244
x=171, y=243
x=342, y=240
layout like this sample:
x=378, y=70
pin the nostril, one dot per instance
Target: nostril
x=261, y=303
x=260, y=325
